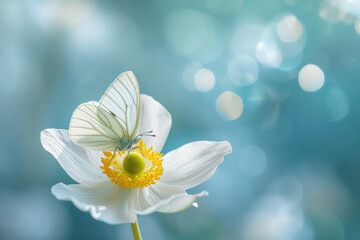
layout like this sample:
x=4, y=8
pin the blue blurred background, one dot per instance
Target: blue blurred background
x=278, y=79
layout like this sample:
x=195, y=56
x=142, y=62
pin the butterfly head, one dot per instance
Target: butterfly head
x=128, y=145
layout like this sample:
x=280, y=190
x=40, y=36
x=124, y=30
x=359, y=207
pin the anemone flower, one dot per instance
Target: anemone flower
x=115, y=189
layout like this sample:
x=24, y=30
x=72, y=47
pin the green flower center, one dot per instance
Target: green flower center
x=134, y=163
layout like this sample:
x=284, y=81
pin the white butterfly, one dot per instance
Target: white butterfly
x=112, y=123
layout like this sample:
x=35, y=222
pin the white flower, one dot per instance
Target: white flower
x=114, y=196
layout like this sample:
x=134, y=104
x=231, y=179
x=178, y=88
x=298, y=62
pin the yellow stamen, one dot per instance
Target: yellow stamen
x=118, y=175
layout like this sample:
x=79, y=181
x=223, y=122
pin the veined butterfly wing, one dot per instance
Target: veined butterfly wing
x=122, y=99
x=111, y=123
x=95, y=128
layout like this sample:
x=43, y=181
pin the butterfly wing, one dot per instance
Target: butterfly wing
x=95, y=128
x=122, y=100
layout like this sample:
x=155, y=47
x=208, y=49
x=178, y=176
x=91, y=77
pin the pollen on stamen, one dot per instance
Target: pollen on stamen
x=118, y=175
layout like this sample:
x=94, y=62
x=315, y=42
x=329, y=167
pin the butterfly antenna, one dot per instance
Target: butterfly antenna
x=147, y=134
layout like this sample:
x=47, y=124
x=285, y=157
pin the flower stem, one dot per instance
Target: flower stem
x=136, y=230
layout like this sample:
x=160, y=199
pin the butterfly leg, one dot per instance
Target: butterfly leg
x=140, y=150
x=116, y=148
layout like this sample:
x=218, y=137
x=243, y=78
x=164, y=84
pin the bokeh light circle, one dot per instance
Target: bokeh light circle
x=204, y=80
x=289, y=29
x=333, y=10
x=353, y=8
x=229, y=105
x=311, y=78
x=273, y=218
x=338, y=104
x=268, y=54
x=188, y=75
x=243, y=70
x=252, y=161
x=357, y=26
x=333, y=104
x=194, y=35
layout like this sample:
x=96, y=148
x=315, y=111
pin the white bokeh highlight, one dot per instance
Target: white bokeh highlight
x=268, y=54
x=229, y=105
x=204, y=80
x=289, y=29
x=353, y=7
x=311, y=78
x=333, y=10
x=274, y=218
x=357, y=26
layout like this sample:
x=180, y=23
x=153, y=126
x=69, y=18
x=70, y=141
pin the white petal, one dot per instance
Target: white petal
x=176, y=203
x=142, y=199
x=154, y=117
x=80, y=164
x=161, y=198
x=106, y=201
x=193, y=163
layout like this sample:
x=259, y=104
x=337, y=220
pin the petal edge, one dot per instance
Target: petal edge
x=79, y=163
x=193, y=163
x=105, y=202
x=154, y=117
